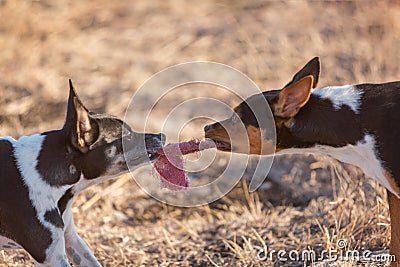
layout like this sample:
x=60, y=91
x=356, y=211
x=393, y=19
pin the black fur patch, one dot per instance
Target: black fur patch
x=94, y=163
x=53, y=217
x=54, y=160
x=18, y=218
x=319, y=123
x=62, y=203
x=246, y=114
x=380, y=113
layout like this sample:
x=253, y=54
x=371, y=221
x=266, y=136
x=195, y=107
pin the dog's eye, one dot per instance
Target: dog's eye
x=110, y=152
x=127, y=136
x=72, y=169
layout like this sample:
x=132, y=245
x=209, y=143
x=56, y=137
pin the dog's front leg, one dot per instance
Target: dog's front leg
x=55, y=253
x=394, y=208
x=77, y=250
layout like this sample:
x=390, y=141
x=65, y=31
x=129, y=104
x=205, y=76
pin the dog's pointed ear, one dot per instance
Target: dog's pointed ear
x=293, y=97
x=313, y=68
x=81, y=129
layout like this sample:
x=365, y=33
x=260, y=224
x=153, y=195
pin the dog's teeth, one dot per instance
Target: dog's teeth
x=149, y=155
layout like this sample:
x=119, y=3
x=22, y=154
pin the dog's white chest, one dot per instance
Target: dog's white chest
x=363, y=155
x=6, y=243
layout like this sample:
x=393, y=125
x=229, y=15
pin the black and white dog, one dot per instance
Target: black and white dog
x=41, y=174
x=355, y=124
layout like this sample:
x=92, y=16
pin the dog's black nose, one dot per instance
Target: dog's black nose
x=207, y=127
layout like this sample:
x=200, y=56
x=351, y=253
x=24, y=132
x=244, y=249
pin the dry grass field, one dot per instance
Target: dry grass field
x=109, y=48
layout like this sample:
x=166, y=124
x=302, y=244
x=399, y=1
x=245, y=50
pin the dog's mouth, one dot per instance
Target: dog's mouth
x=152, y=155
x=153, y=147
x=223, y=146
x=222, y=142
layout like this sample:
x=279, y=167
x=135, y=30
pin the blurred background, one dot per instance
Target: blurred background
x=110, y=48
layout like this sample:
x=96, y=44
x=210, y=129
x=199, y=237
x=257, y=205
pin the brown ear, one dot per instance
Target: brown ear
x=83, y=126
x=312, y=68
x=81, y=129
x=293, y=97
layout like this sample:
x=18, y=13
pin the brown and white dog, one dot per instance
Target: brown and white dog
x=41, y=174
x=353, y=123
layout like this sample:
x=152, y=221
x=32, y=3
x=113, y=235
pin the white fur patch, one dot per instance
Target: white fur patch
x=6, y=243
x=363, y=155
x=43, y=196
x=341, y=95
x=8, y=138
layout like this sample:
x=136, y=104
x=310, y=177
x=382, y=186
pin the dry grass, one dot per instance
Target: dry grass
x=109, y=48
